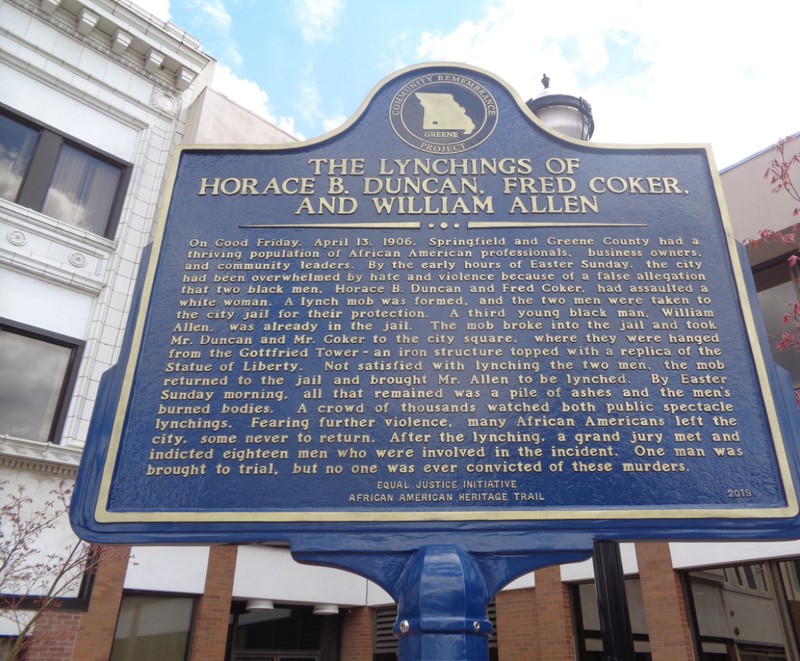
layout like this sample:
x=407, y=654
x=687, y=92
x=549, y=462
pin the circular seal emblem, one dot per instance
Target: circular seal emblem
x=443, y=113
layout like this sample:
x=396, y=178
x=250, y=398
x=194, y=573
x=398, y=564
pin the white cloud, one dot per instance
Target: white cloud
x=216, y=13
x=394, y=57
x=310, y=107
x=333, y=122
x=317, y=19
x=308, y=102
x=249, y=95
x=213, y=15
x=654, y=72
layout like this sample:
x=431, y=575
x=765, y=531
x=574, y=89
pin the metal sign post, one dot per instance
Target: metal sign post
x=442, y=590
x=615, y=619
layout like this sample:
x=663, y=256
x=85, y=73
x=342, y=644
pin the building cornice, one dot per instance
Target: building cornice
x=156, y=50
x=21, y=454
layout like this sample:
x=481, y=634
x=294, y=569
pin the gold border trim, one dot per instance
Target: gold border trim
x=103, y=515
x=413, y=225
x=481, y=516
x=479, y=224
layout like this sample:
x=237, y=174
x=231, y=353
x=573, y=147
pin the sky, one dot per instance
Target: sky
x=715, y=72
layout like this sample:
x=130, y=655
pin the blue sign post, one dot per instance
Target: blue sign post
x=441, y=347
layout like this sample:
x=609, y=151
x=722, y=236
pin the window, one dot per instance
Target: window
x=17, y=142
x=282, y=633
x=738, y=615
x=776, y=283
x=587, y=621
x=47, y=172
x=36, y=376
x=153, y=627
x=789, y=577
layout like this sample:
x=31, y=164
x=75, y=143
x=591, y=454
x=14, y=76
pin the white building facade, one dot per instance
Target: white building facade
x=93, y=97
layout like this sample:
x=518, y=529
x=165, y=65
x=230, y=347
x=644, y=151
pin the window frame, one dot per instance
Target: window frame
x=38, y=177
x=70, y=373
x=151, y=594
x=581, y=635
x=775, y=592
x=78, y=603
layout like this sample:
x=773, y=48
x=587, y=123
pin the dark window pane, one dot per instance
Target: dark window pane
x=590, y=644
x=152, y=627
x=32, y=376
x=737, y=614
x=43, y=170
x=17, y=144
x=790, y=575
x=82, y=190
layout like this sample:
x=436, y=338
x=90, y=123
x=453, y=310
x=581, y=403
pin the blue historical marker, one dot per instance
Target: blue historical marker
x=447, y=334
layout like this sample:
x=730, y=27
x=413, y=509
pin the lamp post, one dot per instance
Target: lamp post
x=572, y=116
x=567, y=114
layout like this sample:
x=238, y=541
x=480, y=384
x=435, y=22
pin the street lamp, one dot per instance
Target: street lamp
x=567, y=114
x=572, y=116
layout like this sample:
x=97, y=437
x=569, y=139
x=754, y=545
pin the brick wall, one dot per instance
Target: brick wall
x=54, y=636
x=517, y=625
x=210, y=631
x=96, y=630
x=358, y=634
x=554, y=611
x=664, y=604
